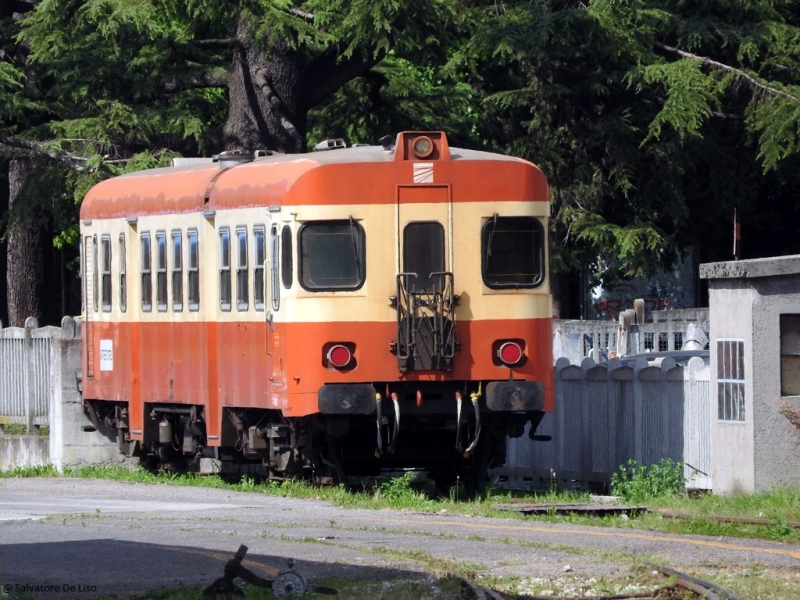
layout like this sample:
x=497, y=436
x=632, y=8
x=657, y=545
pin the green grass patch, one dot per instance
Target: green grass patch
x=654, y=488
x=19, y=429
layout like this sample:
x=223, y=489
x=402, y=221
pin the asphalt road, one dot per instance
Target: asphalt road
x=100, y=537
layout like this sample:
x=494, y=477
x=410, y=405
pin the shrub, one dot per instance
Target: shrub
x=637, y=483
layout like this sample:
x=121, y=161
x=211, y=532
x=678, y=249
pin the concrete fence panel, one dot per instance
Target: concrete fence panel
x=607, y=414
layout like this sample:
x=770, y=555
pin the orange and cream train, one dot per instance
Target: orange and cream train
x=324, y=315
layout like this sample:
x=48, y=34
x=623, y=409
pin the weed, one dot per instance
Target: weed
x=40, y=471
x=637, y=483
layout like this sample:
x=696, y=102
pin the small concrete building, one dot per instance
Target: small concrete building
x=754, y=308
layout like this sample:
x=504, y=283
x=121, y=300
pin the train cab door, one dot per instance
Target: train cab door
x=425, y=328
x=89, y=277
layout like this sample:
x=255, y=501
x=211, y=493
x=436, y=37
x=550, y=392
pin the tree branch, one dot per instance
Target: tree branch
x=222, y=44
x=263, y=85
x=215, y=78
x=39, y=148
x=729, y=69
x=326, y=73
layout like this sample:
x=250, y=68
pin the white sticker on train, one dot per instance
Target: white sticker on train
x=106, y=355
x=423, y=172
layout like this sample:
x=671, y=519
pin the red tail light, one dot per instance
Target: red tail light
x=510, y=353
x=339, y=356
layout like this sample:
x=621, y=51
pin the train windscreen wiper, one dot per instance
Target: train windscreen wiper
x=354, y=239
x=489, y=242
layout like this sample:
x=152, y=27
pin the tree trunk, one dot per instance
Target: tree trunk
x=25, y=256
x=3, y=244
x=267, y=108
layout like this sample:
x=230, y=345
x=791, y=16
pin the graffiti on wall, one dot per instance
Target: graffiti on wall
x=669, y=290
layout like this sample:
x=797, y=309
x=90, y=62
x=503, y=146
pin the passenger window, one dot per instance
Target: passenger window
x=242, y=293
x=286, y=257
x=105, y=250
x=147, y=277
x=193, y=271
x=224, y=269
x=177, y=270
x=258, y=267
x=123, y=269
x=512, y=251
x=331, y=255
x=274, y=266
x=161, y=271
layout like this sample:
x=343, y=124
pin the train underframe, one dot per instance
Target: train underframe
x=446, y=430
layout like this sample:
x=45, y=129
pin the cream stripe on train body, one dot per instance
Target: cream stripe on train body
x=369, y=303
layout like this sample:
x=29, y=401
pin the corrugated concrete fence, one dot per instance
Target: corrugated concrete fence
x=39, y=369
x=26, y=373
x=607, y=414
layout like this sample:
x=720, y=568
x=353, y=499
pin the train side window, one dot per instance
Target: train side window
x=225, y=269
x=95, y=294
x=193, y=271
x=331, y=255
x=259, y=243
x=274, y=267
x=105, y=273
x=286, y=257
x=123, y=274
x=161, y=271
x=147, y=275
x=512, y=250
x=177, y=270
x=242, y=293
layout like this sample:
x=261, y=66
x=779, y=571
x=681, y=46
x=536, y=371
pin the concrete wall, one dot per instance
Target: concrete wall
x=776, y=441
x=746, y=300
x=73, y=440
x=732, y=443
x=17, y=451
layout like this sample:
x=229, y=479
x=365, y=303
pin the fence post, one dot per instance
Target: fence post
x=638, y=410
x=30, y=372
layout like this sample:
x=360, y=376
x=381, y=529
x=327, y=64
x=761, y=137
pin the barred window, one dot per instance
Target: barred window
x=161, y=271
x=177, y=270
x=147, y=275
x=123, y=281
x=193, y=271
x=730, y=380
x=242, y=291
x=105, y=250
x=259, y=243
x=225, y=269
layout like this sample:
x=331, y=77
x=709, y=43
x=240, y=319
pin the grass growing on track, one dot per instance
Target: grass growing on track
x=781, y=504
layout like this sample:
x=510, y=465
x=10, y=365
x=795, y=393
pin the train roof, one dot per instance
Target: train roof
x=270, y=180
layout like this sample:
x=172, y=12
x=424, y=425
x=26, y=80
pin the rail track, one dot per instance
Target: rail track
x=680, y=586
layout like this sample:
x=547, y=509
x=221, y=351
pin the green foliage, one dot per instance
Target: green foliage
x=637, y=483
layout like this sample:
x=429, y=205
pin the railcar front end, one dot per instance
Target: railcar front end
x=322, y=315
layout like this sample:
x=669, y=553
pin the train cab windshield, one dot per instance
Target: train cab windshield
x=332, y=255
x=513, y=252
